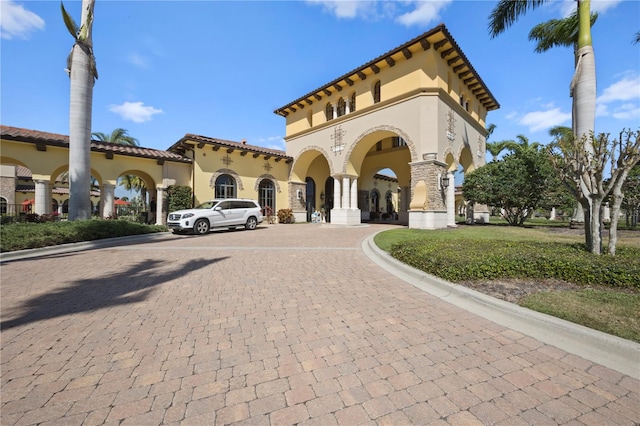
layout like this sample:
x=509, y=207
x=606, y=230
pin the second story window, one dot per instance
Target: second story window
x=328, y=111
x=352, y=104
x=398, y=141
x=376, y=92
x=341, y=107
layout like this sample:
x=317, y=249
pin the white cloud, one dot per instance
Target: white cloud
x=600, y=6
x=623, y=90
x=424, y=13
x=346, y=8
x=542, y=120
x=272, y=142
x=139, y=60
x=417, y=12
x=17, y=22
x=135, y=111
x=627, y=112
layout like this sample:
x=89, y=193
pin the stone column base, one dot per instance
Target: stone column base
x=427, y=219
x=300, y=217
x=345, y=217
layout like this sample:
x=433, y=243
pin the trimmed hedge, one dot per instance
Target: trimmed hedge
x=471, y=260
x=20, y=236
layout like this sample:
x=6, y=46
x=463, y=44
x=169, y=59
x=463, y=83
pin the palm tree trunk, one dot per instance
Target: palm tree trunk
x=81, y=101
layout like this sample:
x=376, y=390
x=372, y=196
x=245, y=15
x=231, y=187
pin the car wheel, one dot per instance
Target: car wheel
x=252, y=223
x=201, y=227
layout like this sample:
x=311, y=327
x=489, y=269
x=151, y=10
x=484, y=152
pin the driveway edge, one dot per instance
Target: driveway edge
x=610, y=351
x=75, y=247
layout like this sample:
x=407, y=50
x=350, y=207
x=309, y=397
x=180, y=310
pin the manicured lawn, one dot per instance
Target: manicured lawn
x=610, y=296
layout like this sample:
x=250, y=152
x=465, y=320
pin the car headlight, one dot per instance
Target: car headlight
x=187, y=215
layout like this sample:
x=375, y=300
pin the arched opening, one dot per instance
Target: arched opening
x=267, y=197
x=327, y=203
x=310, y=197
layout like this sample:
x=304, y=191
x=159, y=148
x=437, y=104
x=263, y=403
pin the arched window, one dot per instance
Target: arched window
x=341, y=107
x=267, y=195
x=225, y=187
x=3, y=205
x=352, y=104
x=328, y=111
x=376, y=92
x=389, y=199
x=375, y=201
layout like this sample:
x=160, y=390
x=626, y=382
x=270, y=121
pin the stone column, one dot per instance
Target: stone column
x=346, y=192
x=552, y=216
x=451, y=202
x=347, y=104
x=107, y=198
x=354, y=193
x=427, y=209
x=335, y=110
x=337, y=200
x=42, y=189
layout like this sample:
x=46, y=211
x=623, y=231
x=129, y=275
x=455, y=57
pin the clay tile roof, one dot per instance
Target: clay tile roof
x=447, y=40
x=241, y=146
x=53, y=139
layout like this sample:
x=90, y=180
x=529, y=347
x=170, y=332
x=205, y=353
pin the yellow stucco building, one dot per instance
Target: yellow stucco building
x=418, y=111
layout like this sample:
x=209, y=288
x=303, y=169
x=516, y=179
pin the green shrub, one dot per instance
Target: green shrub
x=179, y=197
x=20, y=236
x=285, y=216
x=471, y=260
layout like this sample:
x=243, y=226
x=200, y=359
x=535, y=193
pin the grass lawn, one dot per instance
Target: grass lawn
x=608, y=289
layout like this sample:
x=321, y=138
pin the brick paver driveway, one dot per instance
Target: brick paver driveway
x=282, y=325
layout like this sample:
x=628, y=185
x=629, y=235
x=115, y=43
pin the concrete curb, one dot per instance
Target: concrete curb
x=75, y=247
x=610, y=351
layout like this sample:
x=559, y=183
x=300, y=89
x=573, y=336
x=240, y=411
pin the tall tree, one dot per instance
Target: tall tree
x=517, y=184
x=81, y=67
x=584, y=163
x=583, y=83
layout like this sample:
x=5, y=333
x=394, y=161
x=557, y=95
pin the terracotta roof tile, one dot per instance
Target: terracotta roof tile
x=178, y=146
x=491, y=102
x=54, y=139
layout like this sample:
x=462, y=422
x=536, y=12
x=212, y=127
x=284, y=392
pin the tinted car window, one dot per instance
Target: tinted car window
x=225, y=205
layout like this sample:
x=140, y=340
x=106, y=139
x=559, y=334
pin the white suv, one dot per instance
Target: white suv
x=228, y=213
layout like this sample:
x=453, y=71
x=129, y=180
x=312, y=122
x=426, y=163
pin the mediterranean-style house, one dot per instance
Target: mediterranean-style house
x=418, y=111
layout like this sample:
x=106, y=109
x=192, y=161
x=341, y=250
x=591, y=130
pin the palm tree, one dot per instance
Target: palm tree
x=81, y=67
x=120, y=136
x=583, y=84
x=521, y=146
x=495, y=148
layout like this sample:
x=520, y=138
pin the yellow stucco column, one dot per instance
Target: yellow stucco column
x=451, y=202
x=160, y=211
x=107, y=199
x=43, y=196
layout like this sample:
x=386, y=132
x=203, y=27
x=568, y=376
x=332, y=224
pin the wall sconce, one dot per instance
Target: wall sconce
x=321, y=195
x=443, y=181
x=299, y=194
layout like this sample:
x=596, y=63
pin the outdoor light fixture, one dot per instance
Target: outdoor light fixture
x=445, y=181
x=321, y=195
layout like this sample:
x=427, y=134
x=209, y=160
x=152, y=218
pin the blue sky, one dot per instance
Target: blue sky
x=220, y=68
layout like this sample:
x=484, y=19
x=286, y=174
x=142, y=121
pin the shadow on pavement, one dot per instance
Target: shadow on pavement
x=132, y=285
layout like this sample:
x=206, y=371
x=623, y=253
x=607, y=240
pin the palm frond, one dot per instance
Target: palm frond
x=507, y=12
x=557, y=32
x=69, y=22
x=636, y=39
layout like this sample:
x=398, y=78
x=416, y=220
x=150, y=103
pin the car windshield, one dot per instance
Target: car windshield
x=207, y=205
